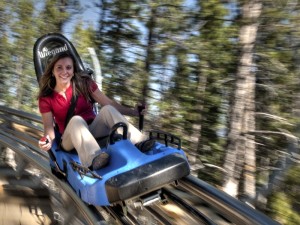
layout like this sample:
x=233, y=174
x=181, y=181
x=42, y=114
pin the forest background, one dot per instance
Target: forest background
x=223, y=75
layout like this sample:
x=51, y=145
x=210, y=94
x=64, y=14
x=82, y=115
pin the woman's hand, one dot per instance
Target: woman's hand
x=45, y=143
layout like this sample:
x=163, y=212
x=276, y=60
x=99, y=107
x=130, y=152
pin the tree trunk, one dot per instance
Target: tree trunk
x=20, y=82
x=240, y=156
x=149, y=54
x=195, y=138
x=249, y=187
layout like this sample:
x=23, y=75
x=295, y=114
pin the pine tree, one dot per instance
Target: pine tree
x=240, y=155
x=23, y=39
x=117, y=36
x=215, y=54
x=83, y=39
x=55, y=14
x=277, y=97
x=5, y=61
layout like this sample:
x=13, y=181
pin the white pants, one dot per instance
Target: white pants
x=81, y=136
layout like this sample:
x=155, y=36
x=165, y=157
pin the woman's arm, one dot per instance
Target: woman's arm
x=103, y=100
x=47, y=119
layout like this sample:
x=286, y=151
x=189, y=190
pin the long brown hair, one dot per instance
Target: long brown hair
x=81, y=81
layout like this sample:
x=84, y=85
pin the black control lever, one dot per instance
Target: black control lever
x=141, y=117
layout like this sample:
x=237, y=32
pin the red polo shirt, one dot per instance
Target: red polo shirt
x=59, y=106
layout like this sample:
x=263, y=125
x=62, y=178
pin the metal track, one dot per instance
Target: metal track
x=158, y=215
x=65, y=196
x=230, y=208
x=200, y=217
x=192, y=201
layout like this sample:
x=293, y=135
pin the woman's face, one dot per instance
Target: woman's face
x=63, y=70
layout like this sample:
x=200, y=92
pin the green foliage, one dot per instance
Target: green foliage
x=5, y=64
x=284, y=213
x=116, y=36
x=276, y=94
x=54, y=15
x=293, y=186
x=84, y=38
x=286, y=203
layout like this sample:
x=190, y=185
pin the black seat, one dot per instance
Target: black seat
x=47, y=46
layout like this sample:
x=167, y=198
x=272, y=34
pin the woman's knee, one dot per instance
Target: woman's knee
x=108, y=108
x=77, y=121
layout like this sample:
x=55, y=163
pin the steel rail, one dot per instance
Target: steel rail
x=117, y=213
x=229, y=207
x=157, y=214
x=12, y=119
x=15, y=135
x=19, y=113
x=199, y=216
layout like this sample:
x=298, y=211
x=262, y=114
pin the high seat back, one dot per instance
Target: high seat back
x=47, y=46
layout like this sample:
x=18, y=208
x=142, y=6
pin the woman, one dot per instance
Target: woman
x=59, y=82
